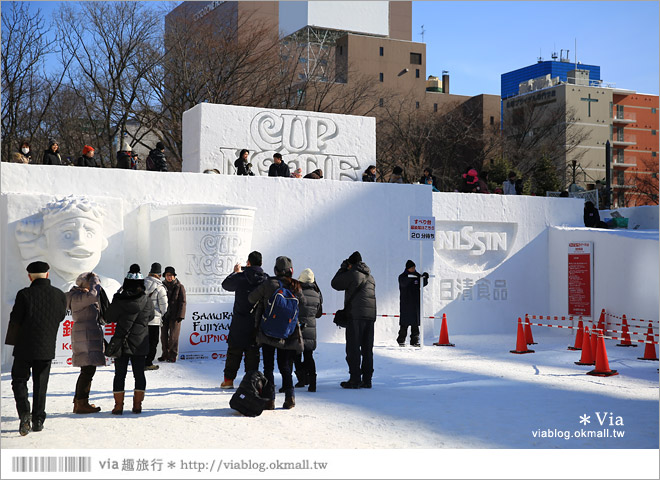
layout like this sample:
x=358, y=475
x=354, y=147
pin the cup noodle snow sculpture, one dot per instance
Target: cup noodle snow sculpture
x=343, y=146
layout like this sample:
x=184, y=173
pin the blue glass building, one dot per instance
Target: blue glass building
x=511, y=80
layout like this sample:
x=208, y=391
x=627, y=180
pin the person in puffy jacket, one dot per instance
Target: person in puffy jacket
x=52, y=156
x=156, y=291
x=241, y=342
x=83, y=301
x=355, y=280
x=132, y=311
x=313, y=309
x=287, y=348
x=156, y=160
x=87, y=159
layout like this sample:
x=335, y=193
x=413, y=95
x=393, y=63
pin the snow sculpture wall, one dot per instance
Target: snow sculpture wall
x=343, y=146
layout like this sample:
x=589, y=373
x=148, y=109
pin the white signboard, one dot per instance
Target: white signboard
x=204, y=331
x=421, y=228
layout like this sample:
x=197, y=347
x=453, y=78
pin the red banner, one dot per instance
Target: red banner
x=580, y=277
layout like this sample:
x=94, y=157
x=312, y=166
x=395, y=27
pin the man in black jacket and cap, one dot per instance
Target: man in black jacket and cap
x=241, y=340
x=409, y=282
x=354, y=278
x=33, y=323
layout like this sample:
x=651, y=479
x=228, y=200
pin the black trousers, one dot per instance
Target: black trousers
x=284, y=365
x=234, y=357
x=359, y=349
x=305, y=363
x=20, y=374
x=154, y=334
x=403, y=332
x=84, y=383
x=121, y=368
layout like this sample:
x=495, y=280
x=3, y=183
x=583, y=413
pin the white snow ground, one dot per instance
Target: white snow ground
x=476, y=395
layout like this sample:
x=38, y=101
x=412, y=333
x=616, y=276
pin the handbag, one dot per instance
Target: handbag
x=116, y=347
x=343, y=316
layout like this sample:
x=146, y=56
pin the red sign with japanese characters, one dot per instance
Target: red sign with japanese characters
x=580, y=278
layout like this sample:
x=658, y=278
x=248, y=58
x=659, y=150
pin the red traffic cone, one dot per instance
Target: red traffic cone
x=443, y=341
x=601, y=321
x=594, y=342
x=602, y=364
x=521, y=342
x=578, y=336
x=529, y=338
x=587, y=358
x=625, y=342
x=649, y=351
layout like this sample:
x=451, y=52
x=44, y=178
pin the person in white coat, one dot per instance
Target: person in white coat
x=157, y=292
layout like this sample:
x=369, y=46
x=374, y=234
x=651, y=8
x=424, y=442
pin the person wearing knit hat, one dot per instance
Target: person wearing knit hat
x=286, y=348
x=87, y=159
x=409, y=282
x=156, y=161
x=157, y=292
x=131, y=310
x=355, y=280
x=126, y=159
x=313, y=309
x=470, y=182
x=176, y=312
x=33, y=324
x=52, y=155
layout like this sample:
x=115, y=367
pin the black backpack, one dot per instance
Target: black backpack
x=247, y=399
x=151, y=164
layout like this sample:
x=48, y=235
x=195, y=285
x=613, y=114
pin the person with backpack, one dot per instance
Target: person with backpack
x=241, y=342
x=313, y=309
x=278, y=300
x=84, y=302
x=359, y=287
x=156, y=161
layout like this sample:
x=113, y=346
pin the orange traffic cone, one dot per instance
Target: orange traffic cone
x=587, y=358
x=528, y=331
x=594, y=342
x=601, y=321
x=578, y=336
x=521, y=342
x=649, y=351
x=602, y=364
x=443, y=341
x=625, y=342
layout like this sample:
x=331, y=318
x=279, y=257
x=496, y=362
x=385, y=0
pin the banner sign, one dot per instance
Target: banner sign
x=580, y=278
x=421, y=228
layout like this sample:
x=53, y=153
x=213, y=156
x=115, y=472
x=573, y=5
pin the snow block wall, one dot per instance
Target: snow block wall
x=343, y=146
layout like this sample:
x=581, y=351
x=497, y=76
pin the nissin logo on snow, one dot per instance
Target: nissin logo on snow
x=474, y=246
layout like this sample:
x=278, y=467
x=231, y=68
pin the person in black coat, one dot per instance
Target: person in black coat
x=52, y=155
x=313, y=309
x=243, y=167
x=286, y=348
x=369, y=174
x=355, y=280
x=241, y=340
x=156, y=161
x=278, y=168
x=592, y=217
x=33, y=323
x=132, y=311
x=87, y=159
x=126, y=159
x=409, y=282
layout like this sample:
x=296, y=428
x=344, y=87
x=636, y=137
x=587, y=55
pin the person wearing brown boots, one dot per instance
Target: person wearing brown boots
x=83, y=301
x=132, y=310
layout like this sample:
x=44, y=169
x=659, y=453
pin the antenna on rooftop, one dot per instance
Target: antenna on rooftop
x=422, y=32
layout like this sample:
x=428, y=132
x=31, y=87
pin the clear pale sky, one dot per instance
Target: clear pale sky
x=479, y=41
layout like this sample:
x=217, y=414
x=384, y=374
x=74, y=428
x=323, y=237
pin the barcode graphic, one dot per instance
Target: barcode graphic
x=51, y=464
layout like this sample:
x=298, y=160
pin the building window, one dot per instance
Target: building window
x=380, y=75
x=381, y=51
x=492, y=120
x=380, y=102
x=619, y=177
x=435, y=107
x=416, y=104
x=654, y=154
x=416, y=59
x=417, y=73
x=654, y=132
x=621, y=200
x=611, y=108
x=653, y=110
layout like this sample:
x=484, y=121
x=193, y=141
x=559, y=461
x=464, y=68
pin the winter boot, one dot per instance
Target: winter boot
x=289, y=401
x=270, y=404
x=228, y=383
x=25, y=426
x=119, y=403
x=365, y=383
x=81, y=405
x=138, y=396
x=312, y=383
x=352, y=383
x=302, y=379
